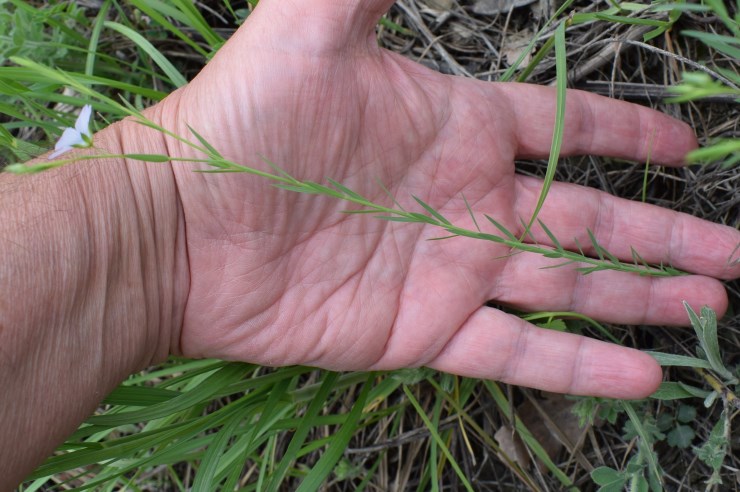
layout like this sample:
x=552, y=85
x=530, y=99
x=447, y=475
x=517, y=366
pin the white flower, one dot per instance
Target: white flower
x=77, y=137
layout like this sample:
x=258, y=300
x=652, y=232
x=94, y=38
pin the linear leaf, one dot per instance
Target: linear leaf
x=338, y=443
x=209, y=387
x=472, y=215
x=561, y=73
x=177, y=79
x=205, y=143
x=139, y=396
x=552, y=237
x=346, y=190
x=393, y=218
x=302, y=430
x=502, y=229
x=148, y=157
x=437, y=439
x=431, y=210
x=204, y=480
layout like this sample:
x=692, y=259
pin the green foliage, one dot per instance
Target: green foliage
x=20, y=34
x=675, y=425
x=699, y=85
x=714, y=451
x=587, y=409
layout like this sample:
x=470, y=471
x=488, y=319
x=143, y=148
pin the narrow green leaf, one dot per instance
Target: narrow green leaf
x=148, y=157
x=92, y=47
x=346, y=190
x=561, y=73
x=631, y=20
x=177, y=79
x=209, y=387
x=139, y=396
x=438, y=439
x=502, y=229
x=552, y=237
x=122, y=447
x=724, y=44
x=204, y=479
x=674, y=360
x=196, y=20
x=637, y=259
x=600, y=250
x=301, y=432
x=526, y=435
x=506, y=77
x=338, y=443
x=205, y=143
x=393, y=218
x=159, y=11
x=472, y=215
x=390, y=195
x=431, y=210
x=35, y=72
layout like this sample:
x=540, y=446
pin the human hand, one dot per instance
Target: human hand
x=281, y=278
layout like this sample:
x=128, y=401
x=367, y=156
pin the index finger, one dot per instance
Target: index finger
x=596, y=125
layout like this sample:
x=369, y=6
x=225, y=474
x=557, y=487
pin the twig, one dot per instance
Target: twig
x=415, y=16
x=638, y=91
x=606, y=54
x=682, y=59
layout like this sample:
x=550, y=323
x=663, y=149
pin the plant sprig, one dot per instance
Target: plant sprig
x=604, y=260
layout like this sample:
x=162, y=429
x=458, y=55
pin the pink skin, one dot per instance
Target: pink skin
x=281, y=278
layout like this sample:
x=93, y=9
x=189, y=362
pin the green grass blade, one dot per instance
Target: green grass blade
x=92, y=47
x=177, y=79
x=431, y=211
x=507, y=76
x=339, y=442
x=159, y=11
x=139, y=396
x=204, y=143
x=205, y=390
x=438, y=439
x=501, y=228
x=552, y=237
x=204, y=480
x=302, y=430
x=536, y=60
x=472, y=215
x=724, y=44
x=350, y=193
x=532, y=443
x=31, y=71
x=561, y=71
x=195, y=20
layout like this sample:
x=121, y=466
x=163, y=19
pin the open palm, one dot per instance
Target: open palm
x=282, y=278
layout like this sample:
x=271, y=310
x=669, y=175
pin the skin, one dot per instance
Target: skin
x=157, y=259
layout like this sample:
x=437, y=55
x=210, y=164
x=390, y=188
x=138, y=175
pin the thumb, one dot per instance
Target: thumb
x=323, y=25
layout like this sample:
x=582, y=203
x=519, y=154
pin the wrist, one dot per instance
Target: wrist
x=94, y=282
x=160, y=223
